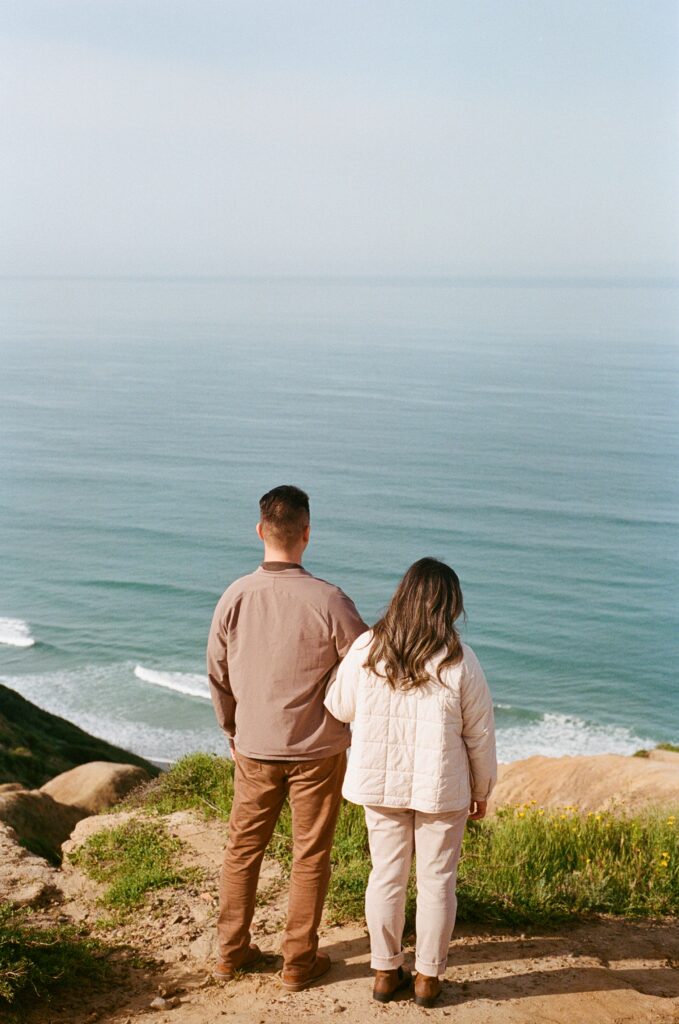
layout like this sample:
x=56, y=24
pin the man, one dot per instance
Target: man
x=276, y=638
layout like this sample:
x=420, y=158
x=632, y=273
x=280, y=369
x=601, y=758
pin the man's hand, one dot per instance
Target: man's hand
x=232, y=748
x=477, y=809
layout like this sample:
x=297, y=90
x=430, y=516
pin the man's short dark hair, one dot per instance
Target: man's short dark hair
x=284, y=513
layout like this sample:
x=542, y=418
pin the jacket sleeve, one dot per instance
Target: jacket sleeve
x=223, y=699
x=478, y=727
x=345, y=622
x=340, y=697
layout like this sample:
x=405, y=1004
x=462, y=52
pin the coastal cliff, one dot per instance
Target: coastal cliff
x=36, y=745
x=568, y=897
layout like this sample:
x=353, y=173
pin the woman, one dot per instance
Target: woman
x=422, y=761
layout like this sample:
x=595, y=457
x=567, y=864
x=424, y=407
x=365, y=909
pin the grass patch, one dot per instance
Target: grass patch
x=530, y=865
x=202, y=782
x=524, y=865
x=659, y=746
x=351, y=866
x=132, y=859
x=36, y=960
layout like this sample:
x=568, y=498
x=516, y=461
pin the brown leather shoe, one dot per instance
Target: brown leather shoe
x=427, y=990
x=227, y=972
x=296, y=980
x=388, y=983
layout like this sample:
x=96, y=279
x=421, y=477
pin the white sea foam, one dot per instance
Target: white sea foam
x=554, y=735
x=111, y=701
x=15, y=633
x=189, y=683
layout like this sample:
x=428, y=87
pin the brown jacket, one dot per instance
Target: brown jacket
x=275, y=641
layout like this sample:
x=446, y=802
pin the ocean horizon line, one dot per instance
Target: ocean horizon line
x=413, y=280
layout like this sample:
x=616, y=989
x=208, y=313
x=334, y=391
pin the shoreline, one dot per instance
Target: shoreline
x=552, y=735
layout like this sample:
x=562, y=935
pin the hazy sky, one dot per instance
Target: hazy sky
x=339, y=137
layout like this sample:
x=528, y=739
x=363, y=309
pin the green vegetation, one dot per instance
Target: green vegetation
x=131, y=859
x=659, y=746
x=351, y=867
x=531, y=865
x=200, y=782
x=526, y=865
x=523, y=865
x=35, y=745
x=35, y=960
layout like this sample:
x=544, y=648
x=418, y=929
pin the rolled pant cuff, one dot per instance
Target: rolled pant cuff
x=430, y=970
x=387, y=963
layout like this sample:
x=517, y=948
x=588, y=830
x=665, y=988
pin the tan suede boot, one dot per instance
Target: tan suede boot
x=388, y=983
x=295, y=981
x=427, y=990
x=227, y=972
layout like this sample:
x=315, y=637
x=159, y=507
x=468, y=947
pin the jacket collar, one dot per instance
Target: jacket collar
x=282, y=569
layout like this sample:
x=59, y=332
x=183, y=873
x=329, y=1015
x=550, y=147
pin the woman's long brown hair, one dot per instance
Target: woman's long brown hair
x=419, y=622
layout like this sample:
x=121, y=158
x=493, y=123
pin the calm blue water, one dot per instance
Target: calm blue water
x=529, y=435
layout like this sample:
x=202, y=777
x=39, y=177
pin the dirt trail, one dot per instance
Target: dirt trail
x=604, y=972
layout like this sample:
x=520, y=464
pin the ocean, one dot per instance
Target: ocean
x=527, y=432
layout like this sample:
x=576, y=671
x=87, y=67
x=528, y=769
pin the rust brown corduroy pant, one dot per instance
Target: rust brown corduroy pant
x=314, y=789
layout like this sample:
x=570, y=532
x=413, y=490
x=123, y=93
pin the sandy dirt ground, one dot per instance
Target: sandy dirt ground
x=605, y=971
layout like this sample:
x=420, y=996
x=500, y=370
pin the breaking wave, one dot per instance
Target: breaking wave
x=15, y=633
x=189, y=683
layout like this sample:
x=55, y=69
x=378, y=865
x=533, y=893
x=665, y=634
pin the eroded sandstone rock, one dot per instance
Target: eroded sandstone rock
x=96, y=786
x=595, y=783
x=39, y=820
x=25, y=879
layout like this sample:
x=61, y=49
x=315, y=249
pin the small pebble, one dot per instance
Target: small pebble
x=159, y=1003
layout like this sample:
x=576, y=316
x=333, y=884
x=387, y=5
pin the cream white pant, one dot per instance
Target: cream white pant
x=394, y=836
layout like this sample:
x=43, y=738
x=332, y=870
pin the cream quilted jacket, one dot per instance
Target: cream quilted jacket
x=430, y=749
